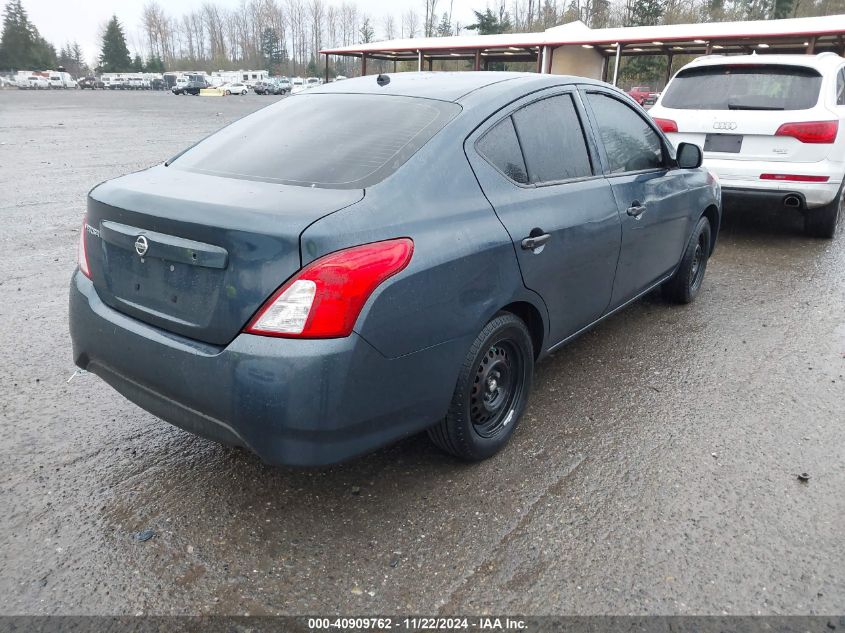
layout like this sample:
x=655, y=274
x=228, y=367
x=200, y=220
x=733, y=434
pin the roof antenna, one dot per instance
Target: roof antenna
x=382, y=80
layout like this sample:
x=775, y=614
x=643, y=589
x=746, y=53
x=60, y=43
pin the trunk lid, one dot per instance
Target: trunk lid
x=197, y=254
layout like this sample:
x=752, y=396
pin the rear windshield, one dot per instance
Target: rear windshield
x=758, y=87
x=321, y=140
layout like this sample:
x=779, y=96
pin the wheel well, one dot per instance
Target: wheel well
x=712, y=214
x=532, y=319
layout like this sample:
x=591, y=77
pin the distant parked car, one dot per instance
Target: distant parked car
x=190, y=88
x=91, y=83
x=36, y=82
x=157, y=84
x=284, y=85
x=265, y=87
x=313, y=82
x=116, y=83
x=643, y=94
x=135, y=83
x=297, y=85
x=772, y=128
x=268, y=294
x=234, y=89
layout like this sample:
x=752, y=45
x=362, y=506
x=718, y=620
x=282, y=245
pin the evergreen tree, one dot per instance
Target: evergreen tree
x=138, y=63
x=444, y=29
x=488, y=23
x=155, y=64
x=272, y=54
x=21, y=46
x=367, y=32
x=114, y=57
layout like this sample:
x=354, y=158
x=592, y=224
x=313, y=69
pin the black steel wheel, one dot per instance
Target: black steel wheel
x=491, y=392
x=686, y=283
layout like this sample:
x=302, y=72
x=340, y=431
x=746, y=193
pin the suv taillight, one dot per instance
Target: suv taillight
x=667, y=125
x=82, y=252
x=811, y=131
x=324, y=299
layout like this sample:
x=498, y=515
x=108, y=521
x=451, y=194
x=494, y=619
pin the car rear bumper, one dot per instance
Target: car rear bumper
x=741, y=179
x=295, y=402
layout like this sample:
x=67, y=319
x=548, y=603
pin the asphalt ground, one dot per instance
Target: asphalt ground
x=655, y=471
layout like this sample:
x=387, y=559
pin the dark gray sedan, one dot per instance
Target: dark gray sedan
x=382, y=256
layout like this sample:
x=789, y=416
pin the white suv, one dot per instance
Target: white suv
x=772, y=128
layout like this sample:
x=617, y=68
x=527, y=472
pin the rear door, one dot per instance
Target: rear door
x=651, y=195
x=539, y=171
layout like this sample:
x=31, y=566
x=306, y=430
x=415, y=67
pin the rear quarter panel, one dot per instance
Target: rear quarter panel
x=463, y=269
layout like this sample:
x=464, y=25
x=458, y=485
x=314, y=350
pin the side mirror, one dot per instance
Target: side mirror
x=689, y=156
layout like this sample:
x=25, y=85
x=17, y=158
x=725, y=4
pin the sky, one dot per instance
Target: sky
x=63, y=21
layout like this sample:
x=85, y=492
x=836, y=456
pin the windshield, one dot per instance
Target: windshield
x=744, y=87
x=321, y=140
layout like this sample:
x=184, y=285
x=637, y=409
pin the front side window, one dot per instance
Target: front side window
x=629, y=142
x=552, y=140
x=321, y=140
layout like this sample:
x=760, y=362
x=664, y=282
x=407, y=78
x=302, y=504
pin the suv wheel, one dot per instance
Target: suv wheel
x=823, y=222
x=685, y=284
x=491, y=392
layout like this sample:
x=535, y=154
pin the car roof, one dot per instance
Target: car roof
x=446, y=86
x=822, y=61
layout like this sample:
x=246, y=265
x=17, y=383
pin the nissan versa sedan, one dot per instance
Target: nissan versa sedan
x=384, y=256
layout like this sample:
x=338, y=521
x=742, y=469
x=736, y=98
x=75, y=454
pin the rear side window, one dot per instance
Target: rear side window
x=552, y=140
x=321, y=140
x=500, y=147
x=840, y=87
x=744, y=87
x=629, y=142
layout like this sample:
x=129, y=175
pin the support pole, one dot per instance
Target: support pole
x=363, y=64
x=478, y=59
x=811, y=46
x=327, y=68
x=669, y=59
x=544, y=60
x=616, y=63
x=419, y=61
x=394, y=65
x=430, y=64
x=708, y=50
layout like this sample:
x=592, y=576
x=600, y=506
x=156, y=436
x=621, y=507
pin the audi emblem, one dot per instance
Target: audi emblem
x=141, y=245
x=724, y=125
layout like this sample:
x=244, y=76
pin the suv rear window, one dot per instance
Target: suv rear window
x=322, y=140
x=744, y=87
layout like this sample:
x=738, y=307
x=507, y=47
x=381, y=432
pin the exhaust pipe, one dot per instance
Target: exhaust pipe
x=792, y=201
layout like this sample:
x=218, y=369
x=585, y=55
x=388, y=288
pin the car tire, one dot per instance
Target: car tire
x=228, y=93
x=491, y=392
x=685, y=284
x=824, y=221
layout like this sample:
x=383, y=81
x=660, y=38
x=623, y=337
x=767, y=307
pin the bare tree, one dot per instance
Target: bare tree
x=389, y=27
x=410, y=24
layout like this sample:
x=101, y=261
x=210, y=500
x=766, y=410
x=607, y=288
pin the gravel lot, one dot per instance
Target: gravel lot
x=654, y=472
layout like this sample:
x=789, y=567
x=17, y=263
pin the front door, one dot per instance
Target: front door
x=650, y=194
x=539, y=171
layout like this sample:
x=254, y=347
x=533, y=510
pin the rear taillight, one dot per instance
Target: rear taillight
x=325, y=298
x=811, y=131
x=82, y=252
x=794, y=177
x=667, y=125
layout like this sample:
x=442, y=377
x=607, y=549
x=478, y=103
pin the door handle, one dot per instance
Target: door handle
x=535, y=241
x=636, y=209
